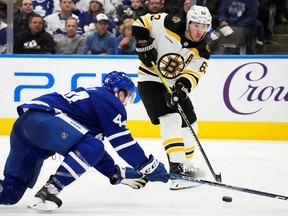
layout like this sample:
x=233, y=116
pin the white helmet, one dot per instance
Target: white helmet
x=199, y=14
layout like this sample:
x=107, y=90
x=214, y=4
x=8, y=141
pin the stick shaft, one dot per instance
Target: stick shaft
x=217, y=177
x=230, y=187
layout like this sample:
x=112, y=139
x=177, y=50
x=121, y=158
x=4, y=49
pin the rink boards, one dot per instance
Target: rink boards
x=240, y=97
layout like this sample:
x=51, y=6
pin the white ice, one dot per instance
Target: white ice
x=257, y=165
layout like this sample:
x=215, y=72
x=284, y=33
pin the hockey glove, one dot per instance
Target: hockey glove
x=154, y=170
x=179, y=94
x=147, y=52
x=130, y=177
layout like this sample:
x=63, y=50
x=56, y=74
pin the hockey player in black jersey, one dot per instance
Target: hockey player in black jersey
x=180, y=51
x=74, y=125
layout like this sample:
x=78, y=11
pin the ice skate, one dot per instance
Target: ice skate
x=46, y=199
x=185, y=170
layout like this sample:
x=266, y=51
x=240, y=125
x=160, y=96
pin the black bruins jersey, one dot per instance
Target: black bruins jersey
x=177, y=56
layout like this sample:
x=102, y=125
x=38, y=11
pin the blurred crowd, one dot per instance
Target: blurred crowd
x=104, y=26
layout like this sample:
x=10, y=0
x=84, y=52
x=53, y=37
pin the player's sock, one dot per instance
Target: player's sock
x=84, y=155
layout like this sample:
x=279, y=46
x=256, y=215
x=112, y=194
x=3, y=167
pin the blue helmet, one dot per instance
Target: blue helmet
x=116, y=81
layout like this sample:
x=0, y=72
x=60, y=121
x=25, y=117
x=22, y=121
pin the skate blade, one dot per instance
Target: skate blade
x=182, y=185
x=38, y=204
x=184, y=188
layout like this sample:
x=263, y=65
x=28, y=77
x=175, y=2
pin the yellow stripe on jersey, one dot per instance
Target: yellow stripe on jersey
x=146, y=22
x=140, y=73
x=177, y=37
x=174, y=145
x=138, y=23
x=173, y=140
x=143, y=65
x=189, y=156
x=191, y=78
x=190, y=149
x=195, y=73
x=173, y=150
x=189, y=152
x=195, y=51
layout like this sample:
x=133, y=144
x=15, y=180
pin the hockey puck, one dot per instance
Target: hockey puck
x=227, y=199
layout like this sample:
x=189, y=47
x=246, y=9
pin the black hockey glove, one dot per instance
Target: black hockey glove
x=129, y=177
x=179, y=94
x=147, y=52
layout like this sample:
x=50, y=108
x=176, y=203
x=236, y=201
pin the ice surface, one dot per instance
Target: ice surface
x=258, y=165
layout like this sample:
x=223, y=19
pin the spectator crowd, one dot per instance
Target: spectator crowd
x=104, y=26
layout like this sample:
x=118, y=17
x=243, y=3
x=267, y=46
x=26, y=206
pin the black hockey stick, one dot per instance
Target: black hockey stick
x=226, y=186
x=217, y=177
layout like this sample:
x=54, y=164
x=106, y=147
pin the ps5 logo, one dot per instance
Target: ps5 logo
x=46, y=80
x=49, y=81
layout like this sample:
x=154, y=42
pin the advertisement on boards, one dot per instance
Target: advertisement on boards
x=233, y=89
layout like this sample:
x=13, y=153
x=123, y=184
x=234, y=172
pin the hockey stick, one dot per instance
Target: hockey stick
x=230, y=187
x=217, y=177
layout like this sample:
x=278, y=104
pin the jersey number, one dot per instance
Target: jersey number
x=155, y=17
x=75, y=96
x=117, y=120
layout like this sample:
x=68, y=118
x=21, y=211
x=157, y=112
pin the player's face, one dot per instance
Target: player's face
x=197, y=30
x=126, y=99
x=122, y=97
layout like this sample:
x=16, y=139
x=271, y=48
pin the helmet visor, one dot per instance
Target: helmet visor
x=130, y=97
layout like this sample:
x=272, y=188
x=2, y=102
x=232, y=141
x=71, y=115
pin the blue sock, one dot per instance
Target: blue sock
x=85, y=154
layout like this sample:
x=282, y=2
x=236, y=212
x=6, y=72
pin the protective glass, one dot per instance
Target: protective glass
x=130, y=97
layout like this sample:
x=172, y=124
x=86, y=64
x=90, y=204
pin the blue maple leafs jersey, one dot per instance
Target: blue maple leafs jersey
x=100, y=112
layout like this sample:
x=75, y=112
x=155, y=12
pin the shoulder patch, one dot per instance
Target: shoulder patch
x=176, y=19
x=208, y=48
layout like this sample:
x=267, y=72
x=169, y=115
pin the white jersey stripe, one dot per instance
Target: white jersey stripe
x=73, y=123
x=38, y=103
x=125, y=145
x=70, y=170
x=118, y=135
x=79, y=161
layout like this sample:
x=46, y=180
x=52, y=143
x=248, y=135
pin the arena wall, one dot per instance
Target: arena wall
x=240, y=97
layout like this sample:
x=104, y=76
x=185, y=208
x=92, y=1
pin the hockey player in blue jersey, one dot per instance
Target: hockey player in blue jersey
x=74, y=125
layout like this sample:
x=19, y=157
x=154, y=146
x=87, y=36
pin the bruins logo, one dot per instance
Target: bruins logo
x=171, y=64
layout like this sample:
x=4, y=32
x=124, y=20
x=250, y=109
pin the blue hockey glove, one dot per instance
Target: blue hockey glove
x=179, y=94
x=130, y=177
x=154, y=170
x=147, y=52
